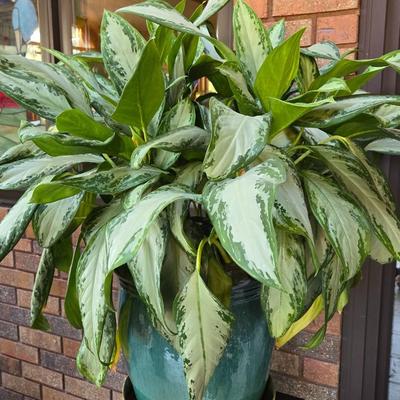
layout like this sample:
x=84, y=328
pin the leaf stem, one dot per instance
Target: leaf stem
x=108, y=159
x=200, y=253
x=224, y=254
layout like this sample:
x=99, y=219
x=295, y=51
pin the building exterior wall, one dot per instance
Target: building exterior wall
x=37, y=365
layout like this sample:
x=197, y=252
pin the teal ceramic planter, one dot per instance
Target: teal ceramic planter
x=156, y=369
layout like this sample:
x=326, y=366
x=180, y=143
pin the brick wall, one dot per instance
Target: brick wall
x=312, y=375
x=35, y=364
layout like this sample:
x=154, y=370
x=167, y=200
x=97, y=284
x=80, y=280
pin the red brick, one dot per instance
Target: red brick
x=42, y=375
x=24, y=245
x=259, y=6
x=16, y=278
x=70, y=347
x=26, y=261
x=296, y=7
x=10, y=365
x=85, y=389
x=3, y=212
x=117, y=396
x=51, y=394
x=339, y=29
x=321, y=372
x=295, y=25
x=40, y=339
x=24, y=300
x=8, y=260
x=21, y=385
x=29, y=233
x=285, y=362
x=334, y=325
x=18, y=350
x=58, y=288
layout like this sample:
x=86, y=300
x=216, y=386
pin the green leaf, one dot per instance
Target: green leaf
x=78, y=124
x=34, y=93
x=113, y=181
x=185, y=138
x=147, y=280
x=6, y=144
x=144, y=92
x=49, y=192
x=284, y=307
x=356, y=179
x=63, y=253
x=190, y=176
x=23, y=173
x=276, y=33
x=342, y=220
x=219, y=282
x=235, y=142
x=121, y=45
x=41, y=290
x=51, y=220
x=251, y=40
x=326, y=50
x=203, y=330
x=334, y=276
x=308, y=71
x=13, y=225
x=285, y=113
x=385, y=146
x=343, y=109
x=19, y=152
x=272, y=81
x=241, y=209
x=237, y=82
x=211, y=8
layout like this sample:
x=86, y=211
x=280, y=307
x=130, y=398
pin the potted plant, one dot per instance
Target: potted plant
x=233, y=217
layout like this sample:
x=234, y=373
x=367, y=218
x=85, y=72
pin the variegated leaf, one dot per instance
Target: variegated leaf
x=6, y=144
x=348, y=230
x=19, y=152
x=113, y=181
x=23, y=173
x=41, y=290
x=237, y=82
x=388, y=115
x=203, y=329
x=59, y=76
x=189, y=176
x=344, y=109
x=211, y=8
x=121, y=45
x=146, y=270
x=283, y=307
x=251, y=40
x=144, y=92
x=385, y=146
x=50, y=221
x=35, y=94
x=326, y=50
x=379, y=252
x=241, y=209
x=276, y=33
x=334, y=276
x=351, y=172
x=236, y=140
x=274, y=82
x=185, y=138
x=182, y=114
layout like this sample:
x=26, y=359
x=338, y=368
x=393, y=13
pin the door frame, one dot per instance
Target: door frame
x=367, y=320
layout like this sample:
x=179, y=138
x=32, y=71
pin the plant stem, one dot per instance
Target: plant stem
x=200, y=253
x=224, y=254
x=108, y=159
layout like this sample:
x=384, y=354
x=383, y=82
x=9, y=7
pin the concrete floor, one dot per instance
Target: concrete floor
x=394, y=378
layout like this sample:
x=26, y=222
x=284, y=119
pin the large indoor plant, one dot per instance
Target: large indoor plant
x=266, y=173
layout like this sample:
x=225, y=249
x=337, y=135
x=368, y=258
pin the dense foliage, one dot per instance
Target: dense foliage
x=274, y=156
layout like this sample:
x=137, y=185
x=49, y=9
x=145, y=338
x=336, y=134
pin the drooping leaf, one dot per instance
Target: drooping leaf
x=33, y=93
x=385, y=146
x=19, y=152
x=355, y=178
x=283, y=307
x=144, y=92
x=272, y=81
x=41, y=290
x=185, y=138
x=78, y=124
x=51, y=220
x=23, y=173
x=251, y=40
x=235, y=142
x=121, y=45
x=326, y=50
x=344, y=223
x=203, y=330
x=343, y=109
x=211, y=8
x=241, y=209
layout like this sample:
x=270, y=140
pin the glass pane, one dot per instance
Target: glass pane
x=19, y=34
